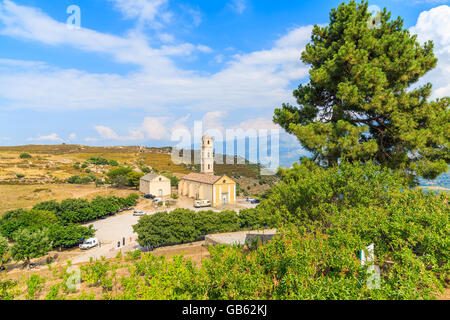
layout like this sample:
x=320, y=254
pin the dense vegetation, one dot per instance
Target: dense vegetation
x=103, y=161
x=362, y=102
x=326, y=216
x=182, y=225
x=124, y=176
x=81, y=210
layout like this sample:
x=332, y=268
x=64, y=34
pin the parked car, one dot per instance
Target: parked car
x=202, y=203
x=156, y=200
x=249, y=199
x=255, y=201
x=138, y=213
x=89, y=243
x=149, y=196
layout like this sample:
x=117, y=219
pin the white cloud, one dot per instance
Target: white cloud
x=145, y=11
x=106, y=133
x=73, y=136
x=51, y=137
x=152, y=128
x=254, y=80
x=238, y=6
x=435, y=25
x=258, y=124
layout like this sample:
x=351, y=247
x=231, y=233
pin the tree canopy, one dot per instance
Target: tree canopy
x=363, y=101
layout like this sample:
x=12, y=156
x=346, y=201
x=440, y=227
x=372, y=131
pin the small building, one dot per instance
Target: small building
x=156, y=185
x=219, y=190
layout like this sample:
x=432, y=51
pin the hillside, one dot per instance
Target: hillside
x=34, y=173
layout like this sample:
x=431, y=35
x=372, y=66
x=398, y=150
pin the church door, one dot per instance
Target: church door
x=225, y=198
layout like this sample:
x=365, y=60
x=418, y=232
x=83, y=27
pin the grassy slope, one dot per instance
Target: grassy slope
x=46, y=172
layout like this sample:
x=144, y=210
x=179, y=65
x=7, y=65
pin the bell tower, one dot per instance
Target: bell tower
x=207, y=162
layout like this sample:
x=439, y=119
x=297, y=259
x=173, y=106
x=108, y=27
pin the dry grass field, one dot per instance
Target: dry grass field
x=54, y=164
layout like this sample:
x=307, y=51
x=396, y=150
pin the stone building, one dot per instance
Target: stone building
x=219, y=190
x=156, y=185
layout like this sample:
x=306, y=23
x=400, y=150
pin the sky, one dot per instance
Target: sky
x=136, y=71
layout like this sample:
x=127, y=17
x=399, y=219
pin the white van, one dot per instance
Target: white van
x=202, y=203
x=89, y=243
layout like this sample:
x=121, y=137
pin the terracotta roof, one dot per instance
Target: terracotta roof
x=202, y=177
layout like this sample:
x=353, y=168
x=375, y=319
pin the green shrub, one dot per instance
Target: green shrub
x=34, y=286
x=25, y=156
x=182, y=225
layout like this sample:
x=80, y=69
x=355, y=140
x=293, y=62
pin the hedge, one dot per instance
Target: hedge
x=182, y=225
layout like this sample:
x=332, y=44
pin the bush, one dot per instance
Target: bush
x=98, y=161
x=4, y=249
x=173, y=180
x=113, y=163
x=122, y=171
x=25, y=156
x=69, y=236
x=19, y=219
x=103, y=161
x=20, y=175
x=184, y=225
x=30, y=244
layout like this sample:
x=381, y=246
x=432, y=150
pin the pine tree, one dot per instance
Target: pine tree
x=363, y=102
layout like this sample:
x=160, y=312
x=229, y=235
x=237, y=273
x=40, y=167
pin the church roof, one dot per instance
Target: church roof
x=202, y=177
x=151, y=177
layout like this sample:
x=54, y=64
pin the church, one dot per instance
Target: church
x=219, y=190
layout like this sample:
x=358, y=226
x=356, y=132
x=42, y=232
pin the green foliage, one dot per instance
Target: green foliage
x=82, y=180
x=34, y=286
x=53, y=293
x=256, y=219
x=25, y=155
x=102, y=161
x=173, y=180
x=182, y=225
x=80, y=210
x=34, y=219
x=7, y=290
x=119, y=181
x=69, y=236
x=29, y=245
x=20, y=175
x=99, y=273
x=145, y=170
x=155, y=278
x=122, y=171
x=360, y=103
x=4, y=250
x=133, y=178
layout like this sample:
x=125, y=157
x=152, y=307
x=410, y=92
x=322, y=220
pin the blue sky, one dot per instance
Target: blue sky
x=138, y=70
